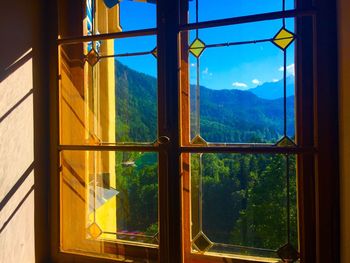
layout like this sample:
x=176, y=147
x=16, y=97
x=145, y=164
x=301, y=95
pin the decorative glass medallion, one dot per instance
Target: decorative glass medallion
x=92, y=57
x=94, y=230
x=198, y=140
x=285, y=142
x=283, y=38
x=155, y=52
x=288, y=253
x=202, y=242
x=156, y=238
x=197, y=47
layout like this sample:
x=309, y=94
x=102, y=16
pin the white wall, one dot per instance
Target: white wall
x=19, y=118
x=16, y=165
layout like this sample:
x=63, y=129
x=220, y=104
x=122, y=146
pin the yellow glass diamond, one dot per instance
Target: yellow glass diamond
x=285, y=142
x=155, y=52
x=283, y=38
x=198, y=140
x=94, y=230
x=197, y=47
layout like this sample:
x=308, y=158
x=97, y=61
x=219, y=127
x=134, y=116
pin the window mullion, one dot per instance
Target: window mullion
x=168, y=123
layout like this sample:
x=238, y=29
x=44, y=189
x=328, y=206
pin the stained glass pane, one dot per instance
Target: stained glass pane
x=100, y=87
x=108, y=197
x=231, y=109
x=239, y=89
x=243, y=204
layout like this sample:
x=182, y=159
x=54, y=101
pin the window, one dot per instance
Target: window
x=156, y=162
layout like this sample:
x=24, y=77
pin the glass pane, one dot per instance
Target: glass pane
x=243, y=204
x=100, y=87
x=209, y=10
x=237, y=83
x=93, y=17
x=135, y=15
x=108, y=197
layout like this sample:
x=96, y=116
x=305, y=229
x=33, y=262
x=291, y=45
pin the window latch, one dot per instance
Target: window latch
x=163, y=140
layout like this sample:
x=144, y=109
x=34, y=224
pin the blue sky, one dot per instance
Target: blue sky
x=236, y=67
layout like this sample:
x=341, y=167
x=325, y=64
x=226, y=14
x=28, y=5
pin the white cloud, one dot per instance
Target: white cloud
x=274, y=80
x=240, y=85
x=193, y=64
x=290, y=69
x=256, y=81
x=205, y=71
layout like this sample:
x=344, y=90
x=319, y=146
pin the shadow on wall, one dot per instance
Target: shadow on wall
x=24, y=133
x=16, y=29
x=12, y=192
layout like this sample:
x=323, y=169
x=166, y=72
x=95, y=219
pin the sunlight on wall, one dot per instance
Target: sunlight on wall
x=16, y=165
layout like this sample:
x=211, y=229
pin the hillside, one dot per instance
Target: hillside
x=226, y=115
x=243, y=195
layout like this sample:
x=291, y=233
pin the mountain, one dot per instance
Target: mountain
x=274, y=90
x=136, y=105
x=226, y=115
x=241, y=116
x=243, y=195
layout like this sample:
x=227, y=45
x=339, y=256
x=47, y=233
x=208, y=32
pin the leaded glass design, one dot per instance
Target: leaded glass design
x=197, y=47
x=94, y=230
x=201, y=242
x=215, y=110
x=155, y=52
x=111, y=203
x=285, y=142
x=288, y=253
x=283, y=38
x=198, y=140
x=258, y=214
x=92, y=57
x=121, y=77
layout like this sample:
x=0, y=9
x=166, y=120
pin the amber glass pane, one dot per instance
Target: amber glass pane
x=243, y=204
x=108, y=197
x=100, y=89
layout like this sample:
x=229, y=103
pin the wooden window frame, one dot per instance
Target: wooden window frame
x=318, y=183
